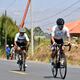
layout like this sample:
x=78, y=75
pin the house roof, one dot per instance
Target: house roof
x=74, y=27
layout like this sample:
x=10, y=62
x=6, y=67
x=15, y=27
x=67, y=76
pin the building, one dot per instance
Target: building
x=74, y=28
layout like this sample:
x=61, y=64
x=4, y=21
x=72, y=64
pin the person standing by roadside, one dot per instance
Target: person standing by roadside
x=12, y=52
x=7, y=51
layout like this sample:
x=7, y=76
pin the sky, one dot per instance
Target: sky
x=44, y=12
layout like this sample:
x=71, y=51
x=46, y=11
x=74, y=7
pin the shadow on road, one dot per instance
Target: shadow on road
x=16, y=70
x=48, y=77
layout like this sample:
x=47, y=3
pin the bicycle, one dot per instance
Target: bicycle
x=60, y=62
x=21, y=58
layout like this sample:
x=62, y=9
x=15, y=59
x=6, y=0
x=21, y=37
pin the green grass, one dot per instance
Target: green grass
x=2, y=52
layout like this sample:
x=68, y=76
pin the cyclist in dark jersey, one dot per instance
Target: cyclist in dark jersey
x=21, y=39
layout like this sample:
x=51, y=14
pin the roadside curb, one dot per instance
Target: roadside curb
x=69, y=65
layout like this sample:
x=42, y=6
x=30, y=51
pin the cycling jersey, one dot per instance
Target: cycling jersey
x=60, y=34
x=21, y=40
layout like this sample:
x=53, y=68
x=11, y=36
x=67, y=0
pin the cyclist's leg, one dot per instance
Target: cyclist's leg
x=24, y=51
x=18, y=58
x=53, y=54
x=17, y=55
x=24, y=56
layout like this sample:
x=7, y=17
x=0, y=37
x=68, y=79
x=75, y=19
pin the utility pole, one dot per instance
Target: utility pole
x=32, y=39
x=25, y=14
x=5, y=30
x=23, y=21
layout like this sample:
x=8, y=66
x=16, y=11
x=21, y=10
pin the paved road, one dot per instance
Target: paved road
x=35, y=71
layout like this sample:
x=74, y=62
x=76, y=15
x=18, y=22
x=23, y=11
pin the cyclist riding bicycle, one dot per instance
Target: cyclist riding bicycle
x=21, y=39
x=59, y=33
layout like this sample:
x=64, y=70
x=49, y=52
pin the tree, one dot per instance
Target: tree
x=38, y=31
x=8, y=27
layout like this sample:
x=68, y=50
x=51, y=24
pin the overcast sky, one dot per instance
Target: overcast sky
x=44, y=12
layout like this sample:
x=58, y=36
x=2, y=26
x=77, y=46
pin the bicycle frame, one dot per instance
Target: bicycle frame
x=22, y=57
x=59, y=49
x=59, y=55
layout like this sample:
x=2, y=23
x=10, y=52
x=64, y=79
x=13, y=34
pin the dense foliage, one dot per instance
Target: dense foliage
x=8, y=29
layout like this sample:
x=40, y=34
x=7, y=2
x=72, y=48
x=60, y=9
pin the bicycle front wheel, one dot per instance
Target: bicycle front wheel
x=63, y=66
x=54, y=67
x=20, y=62
x=20, y=67
x=24, y=68
x=54, y=71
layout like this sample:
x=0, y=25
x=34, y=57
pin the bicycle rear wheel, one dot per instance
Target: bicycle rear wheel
x=20, y=67
x=24, y=55
x=63, y=66
x=20, y=62
x=54, y=67
x=54, y=71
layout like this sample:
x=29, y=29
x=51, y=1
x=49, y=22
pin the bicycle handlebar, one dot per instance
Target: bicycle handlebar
x=69, y=46
x=60, y=45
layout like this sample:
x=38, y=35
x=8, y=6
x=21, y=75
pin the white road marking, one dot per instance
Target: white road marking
x=18, y=72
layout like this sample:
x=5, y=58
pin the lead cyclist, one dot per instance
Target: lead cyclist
x=59, y=32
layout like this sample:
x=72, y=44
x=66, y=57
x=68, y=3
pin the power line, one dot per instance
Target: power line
x=63, y=16
x=58, y=12
x=51, y=23
x=11, y=4
x=42, y=11
x=72, y=12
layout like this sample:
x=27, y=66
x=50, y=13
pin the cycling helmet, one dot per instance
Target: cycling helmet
x=22, y=30
x=7, y=45
x=60, y=21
